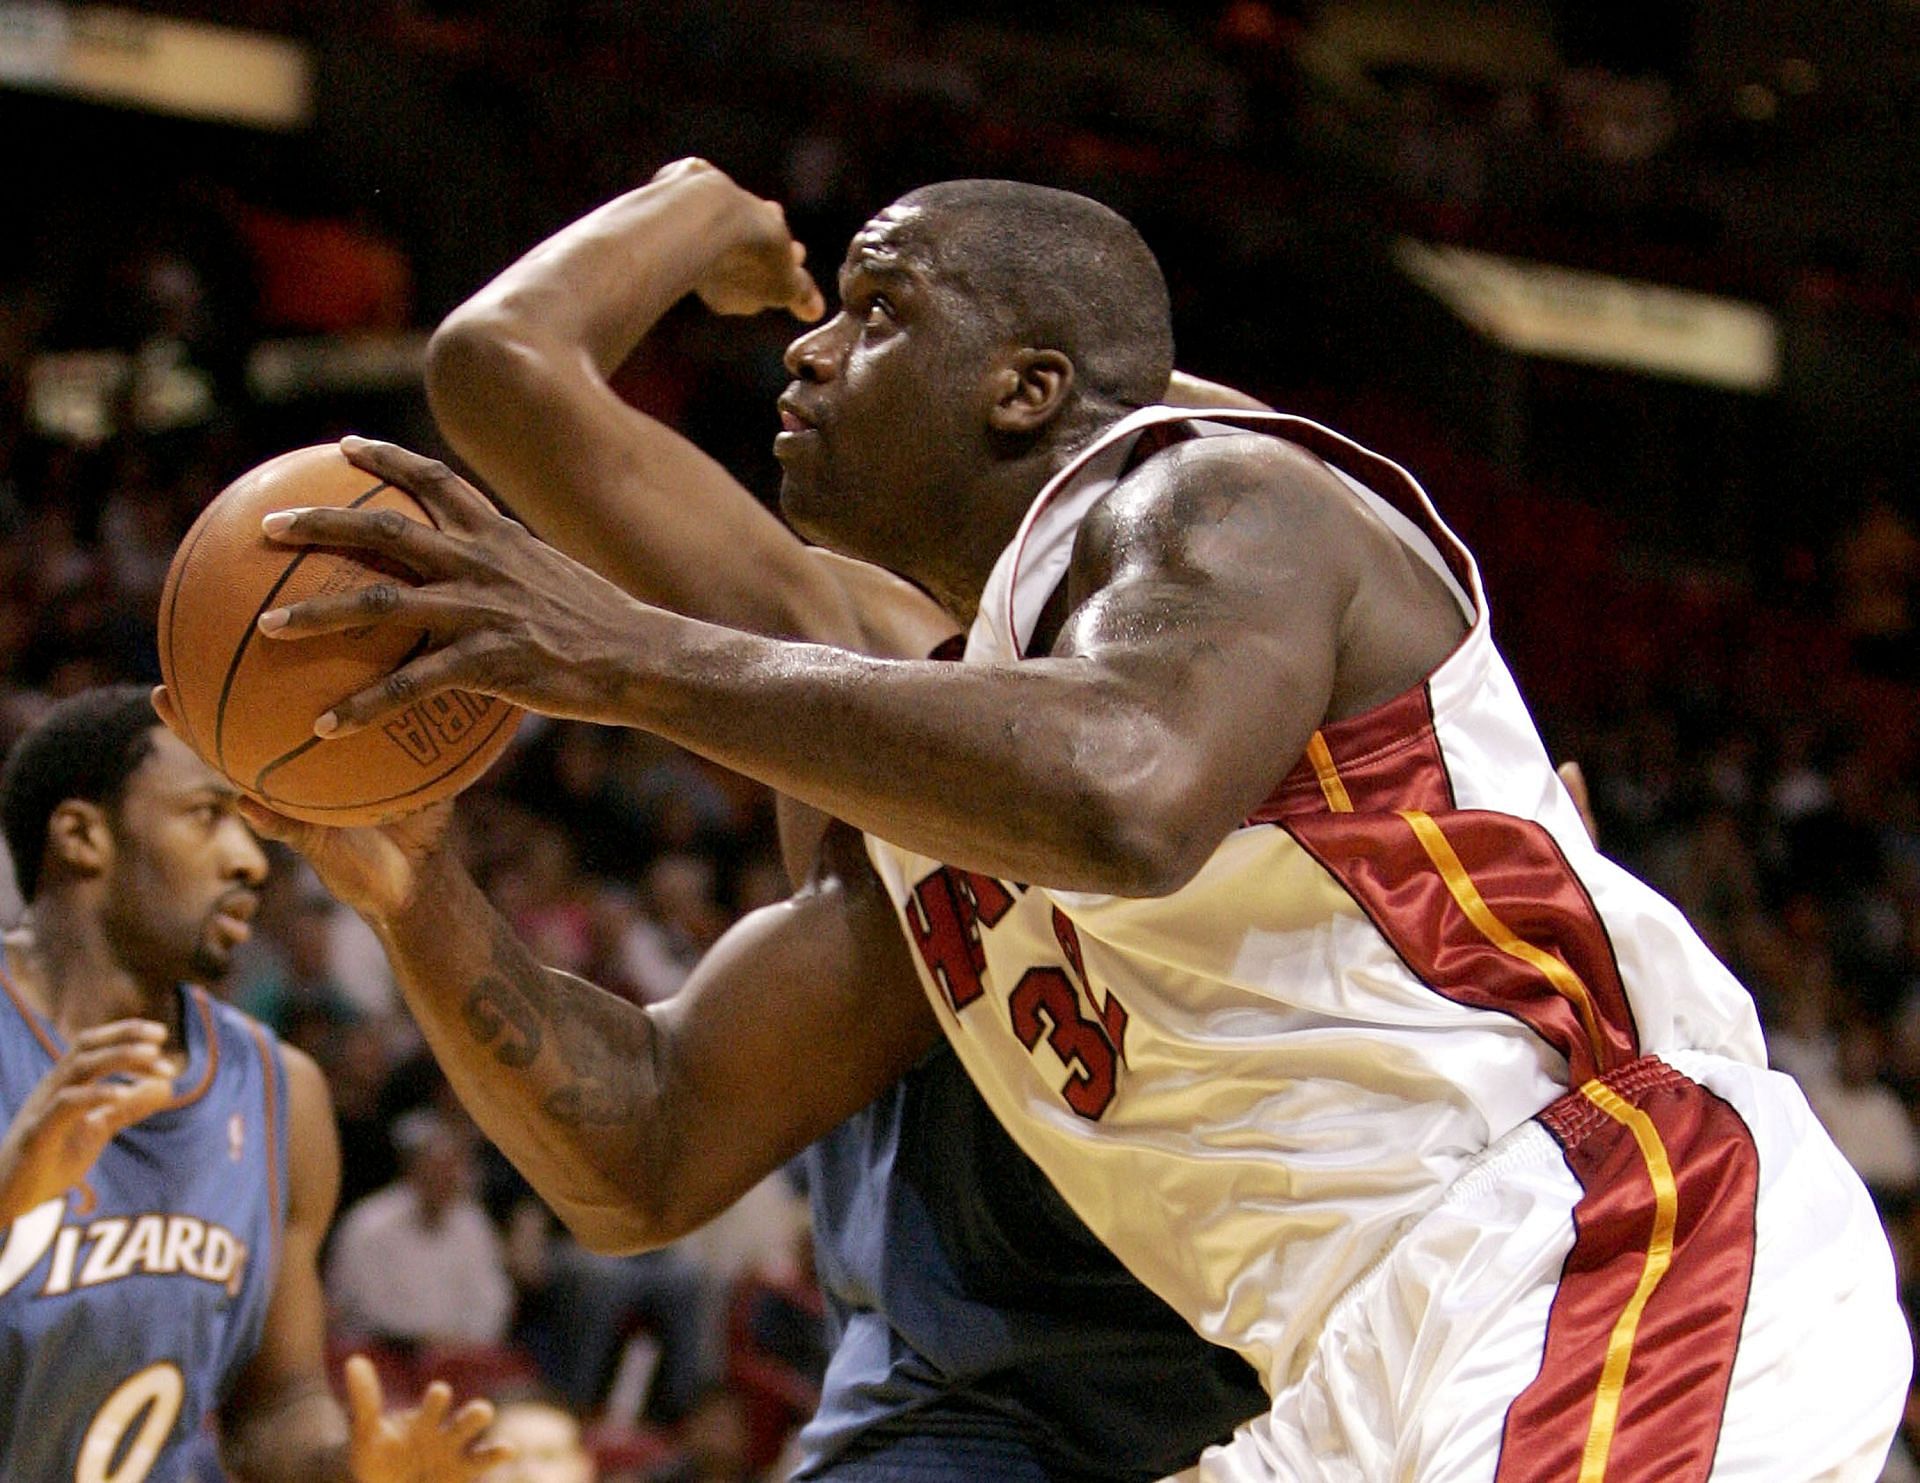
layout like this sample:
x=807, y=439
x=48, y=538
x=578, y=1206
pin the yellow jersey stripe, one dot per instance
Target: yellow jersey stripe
x=1321, y=757
x=1467, y=897
x=1666, y=1204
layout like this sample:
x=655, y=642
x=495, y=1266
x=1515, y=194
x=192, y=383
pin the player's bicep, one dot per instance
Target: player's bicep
x=1209, y=595
x=798, y=1018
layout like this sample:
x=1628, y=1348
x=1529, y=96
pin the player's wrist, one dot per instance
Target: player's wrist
x=418, y=901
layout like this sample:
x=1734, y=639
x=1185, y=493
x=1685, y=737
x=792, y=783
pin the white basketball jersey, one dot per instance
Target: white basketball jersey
x=1248, y=1087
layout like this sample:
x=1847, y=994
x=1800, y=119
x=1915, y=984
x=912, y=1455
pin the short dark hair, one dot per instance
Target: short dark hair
x=1066, y=274
x=87, y=747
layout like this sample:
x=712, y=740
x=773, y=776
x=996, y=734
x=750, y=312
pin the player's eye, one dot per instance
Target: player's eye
x=877, y=310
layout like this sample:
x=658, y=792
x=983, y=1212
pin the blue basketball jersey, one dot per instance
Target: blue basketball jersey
x=979, y=1328
x=127, y=1310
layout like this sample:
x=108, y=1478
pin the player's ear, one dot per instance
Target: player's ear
x=1029, y=391
x=80, y=837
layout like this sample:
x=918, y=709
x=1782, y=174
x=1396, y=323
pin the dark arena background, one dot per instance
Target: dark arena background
x=1633, y=288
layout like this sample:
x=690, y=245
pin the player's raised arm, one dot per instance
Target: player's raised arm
x=639, y=1125
x=517, y=377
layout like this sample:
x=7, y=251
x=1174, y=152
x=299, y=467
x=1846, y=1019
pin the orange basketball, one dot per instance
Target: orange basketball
x=247, y=703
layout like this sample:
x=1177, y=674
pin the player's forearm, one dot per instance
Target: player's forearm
x=1049, y=771
x=558, y=1073
x=601, y=283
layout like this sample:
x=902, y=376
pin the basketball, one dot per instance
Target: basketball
x=247, y=703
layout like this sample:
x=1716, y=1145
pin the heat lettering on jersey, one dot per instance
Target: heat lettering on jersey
x=945, y=916
x=1112, y=1013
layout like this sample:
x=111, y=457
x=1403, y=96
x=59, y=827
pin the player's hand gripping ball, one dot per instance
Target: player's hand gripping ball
x=247, y=705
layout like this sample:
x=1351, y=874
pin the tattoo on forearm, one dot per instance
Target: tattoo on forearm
x=500, y=1001
x=518, y=1006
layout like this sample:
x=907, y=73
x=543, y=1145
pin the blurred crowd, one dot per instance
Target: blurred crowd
x=1746, y=709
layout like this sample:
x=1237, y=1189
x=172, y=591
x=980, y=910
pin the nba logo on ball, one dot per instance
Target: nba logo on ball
x=247, y=704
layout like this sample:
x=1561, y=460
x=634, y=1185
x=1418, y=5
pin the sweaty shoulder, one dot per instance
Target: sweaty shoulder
x=1272, y=530
x=1213, y=504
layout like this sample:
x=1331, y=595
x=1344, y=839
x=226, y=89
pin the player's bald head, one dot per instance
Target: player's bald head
x=1055, y=271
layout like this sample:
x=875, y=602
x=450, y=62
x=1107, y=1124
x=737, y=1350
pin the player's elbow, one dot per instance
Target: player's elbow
x=1145, y=827
x=477, y=357
x=612, y=1232
x=623, y=1222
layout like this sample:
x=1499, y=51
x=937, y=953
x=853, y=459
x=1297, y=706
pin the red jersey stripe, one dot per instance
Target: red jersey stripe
x=1646, y=1322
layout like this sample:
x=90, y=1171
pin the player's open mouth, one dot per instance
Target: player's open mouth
x=794, y=425
x=231, y=929
x=234, y=919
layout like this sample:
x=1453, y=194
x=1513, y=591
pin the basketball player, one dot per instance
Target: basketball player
x=979, y=1328
x=168, y=1170
x=1231, y=867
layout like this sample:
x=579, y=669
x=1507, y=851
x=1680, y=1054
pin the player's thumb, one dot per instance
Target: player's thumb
x=163, y=707
x=265, y=821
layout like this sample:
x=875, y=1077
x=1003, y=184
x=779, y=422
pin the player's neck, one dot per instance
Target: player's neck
x=955, y=571
x=61, y=961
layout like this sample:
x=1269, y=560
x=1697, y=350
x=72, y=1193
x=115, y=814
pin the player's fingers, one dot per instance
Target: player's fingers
x=486, y=1456
x=363, y=1395
x=122, y=1104
x=1575, y=779
x=164, y=708
x=451, y=502
x=120, y=1032
x=433, y=1405
x=134, y=1058
x=369, y=607
x=415, y=545
x=265, y=822
x=807, y=302
x=438, y=669
x=466, y=1424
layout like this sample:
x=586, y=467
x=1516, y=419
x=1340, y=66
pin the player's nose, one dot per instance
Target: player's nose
x=814, y=356
x=243, y=858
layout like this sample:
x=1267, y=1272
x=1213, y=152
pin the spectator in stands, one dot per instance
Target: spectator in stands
x=713, y=1442
x=581, y=1307
x=1877, y=572
x=548, y=1441
x=419, y=1262
x=301, y=986
x=1868, y=1121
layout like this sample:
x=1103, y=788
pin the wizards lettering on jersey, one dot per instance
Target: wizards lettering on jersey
x=945, y=915
x=115, y=1247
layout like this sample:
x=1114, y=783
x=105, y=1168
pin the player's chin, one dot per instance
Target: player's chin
x=802, y=501
x=212, y=956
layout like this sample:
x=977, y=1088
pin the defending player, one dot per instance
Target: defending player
x=980, y=1328
x=168, y=1169
x=1233, y=870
